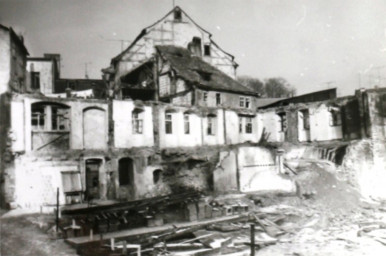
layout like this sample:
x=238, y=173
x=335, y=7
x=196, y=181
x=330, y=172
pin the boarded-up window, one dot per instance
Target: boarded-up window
x=71, y=181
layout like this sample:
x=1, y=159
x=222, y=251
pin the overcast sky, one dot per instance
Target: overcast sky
x=311, y=43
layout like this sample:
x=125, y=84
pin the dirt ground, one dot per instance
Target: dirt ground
x=326, y=217
x=29, y=235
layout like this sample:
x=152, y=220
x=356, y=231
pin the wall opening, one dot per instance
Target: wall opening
x=126, y=171
x=92, y=178
x=94, y=128
x=157, y=176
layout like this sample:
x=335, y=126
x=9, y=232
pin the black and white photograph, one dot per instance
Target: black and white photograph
x=192, y=127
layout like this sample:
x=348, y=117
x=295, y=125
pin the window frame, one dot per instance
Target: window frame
x=242, y=102
x=168, y=123
x=248, y=125
x=137, y=122
x=207, y=50
x=218, y=99
x=282, y=121
x=211, y=125
x=186, y=123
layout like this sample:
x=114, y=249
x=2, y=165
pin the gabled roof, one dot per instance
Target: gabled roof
x=146, y=31
x=200, y=73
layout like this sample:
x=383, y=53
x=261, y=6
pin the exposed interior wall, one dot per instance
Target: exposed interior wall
x=258, y=171
x=178, y=32
x=321, y=128
x=45, y=68
x=225, y=175
x=125, y=136
x=271, y=123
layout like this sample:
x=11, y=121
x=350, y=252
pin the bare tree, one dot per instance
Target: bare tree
x=252, y=83
x=278, y=88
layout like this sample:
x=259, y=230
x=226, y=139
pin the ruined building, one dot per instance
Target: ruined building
x=168, y=116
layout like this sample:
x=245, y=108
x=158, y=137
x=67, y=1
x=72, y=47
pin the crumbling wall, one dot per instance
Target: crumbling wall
x=321, y=128
x=258, y=171
x=45, y=68
x=364, y=165
x=225, y=175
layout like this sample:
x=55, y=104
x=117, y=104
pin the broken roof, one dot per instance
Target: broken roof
x=200, y=73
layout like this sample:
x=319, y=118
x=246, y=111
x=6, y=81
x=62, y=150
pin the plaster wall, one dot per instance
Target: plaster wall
x=271, y=122
x=258, y=171
x=46, y=74
x=218, y=137
x=124, y=136
x=303, y=134
x=36, y=182
x=320, y=128
x=5, y=57
x=17, y=126
x=77, y=107
x=178, y=138
x=233, y=135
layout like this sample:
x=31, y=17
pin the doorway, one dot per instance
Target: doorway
x=126, y=176
x=92, y=178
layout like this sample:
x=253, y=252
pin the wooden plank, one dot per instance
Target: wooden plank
x=76, y=241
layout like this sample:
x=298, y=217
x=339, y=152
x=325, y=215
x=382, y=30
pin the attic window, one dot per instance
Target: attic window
x=207, y=50
x=204, y=75
x=177, y=15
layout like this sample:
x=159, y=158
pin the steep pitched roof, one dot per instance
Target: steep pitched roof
x=200, y=73
x=146, y=31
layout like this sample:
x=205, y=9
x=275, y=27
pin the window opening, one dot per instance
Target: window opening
x=186, y=124
x=137, y=122
x=207, y=50
x=248, y=125
x=35, y=80
x=282, y=121
x=211, y=125
x=157, y=175
x=168, y=123
x=218, y=99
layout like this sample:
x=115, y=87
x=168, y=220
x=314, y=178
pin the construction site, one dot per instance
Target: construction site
x=168, y=154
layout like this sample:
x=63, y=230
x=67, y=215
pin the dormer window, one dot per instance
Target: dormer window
x=177, y=15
